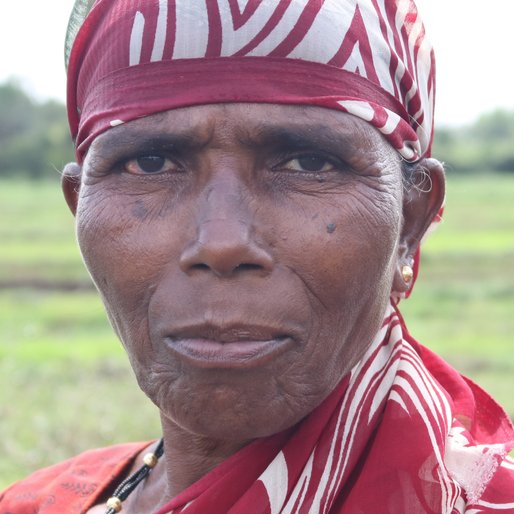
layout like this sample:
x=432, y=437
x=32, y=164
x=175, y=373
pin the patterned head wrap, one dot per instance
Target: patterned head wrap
x=370, y=58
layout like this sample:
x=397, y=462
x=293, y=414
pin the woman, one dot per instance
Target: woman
x=253, y=183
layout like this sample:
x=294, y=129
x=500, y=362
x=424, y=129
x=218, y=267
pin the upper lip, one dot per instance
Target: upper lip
x=228, y=333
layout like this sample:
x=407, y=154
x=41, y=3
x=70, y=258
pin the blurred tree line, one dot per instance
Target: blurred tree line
x=35, y=141
x=486, y=145
x=34, y=137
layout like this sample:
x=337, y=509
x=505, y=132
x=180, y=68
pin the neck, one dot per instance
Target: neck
x=188, y=457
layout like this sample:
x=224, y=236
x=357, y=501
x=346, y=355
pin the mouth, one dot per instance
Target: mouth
x=237, y=347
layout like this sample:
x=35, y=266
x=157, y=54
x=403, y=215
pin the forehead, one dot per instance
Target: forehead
x=251, y=123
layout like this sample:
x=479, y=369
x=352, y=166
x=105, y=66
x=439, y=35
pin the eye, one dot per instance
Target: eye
x=150, y=164
x=311, y=163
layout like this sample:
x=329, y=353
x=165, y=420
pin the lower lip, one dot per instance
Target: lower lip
x=205, y=353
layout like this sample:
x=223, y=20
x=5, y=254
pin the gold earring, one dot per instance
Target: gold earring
x=407, y=274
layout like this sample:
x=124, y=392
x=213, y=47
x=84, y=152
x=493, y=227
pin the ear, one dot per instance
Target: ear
x=422, y=202
x=70, y=183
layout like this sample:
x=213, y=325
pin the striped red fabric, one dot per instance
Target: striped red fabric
x=403, y=433
x=366, y=57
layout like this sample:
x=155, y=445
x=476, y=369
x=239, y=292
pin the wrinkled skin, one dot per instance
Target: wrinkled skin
x=256, y=222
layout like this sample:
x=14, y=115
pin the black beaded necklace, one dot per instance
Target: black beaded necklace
x=122, y=492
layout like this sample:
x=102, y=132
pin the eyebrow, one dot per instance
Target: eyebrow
x=294, y=137
x=116, y=145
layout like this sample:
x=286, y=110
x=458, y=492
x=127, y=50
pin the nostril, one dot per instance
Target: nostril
x=200, y=266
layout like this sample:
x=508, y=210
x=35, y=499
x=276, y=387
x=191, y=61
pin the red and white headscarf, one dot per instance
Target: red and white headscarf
x=369, y=58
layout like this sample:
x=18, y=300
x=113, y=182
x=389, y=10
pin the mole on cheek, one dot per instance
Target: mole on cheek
x=331, y=228
x=139, y=210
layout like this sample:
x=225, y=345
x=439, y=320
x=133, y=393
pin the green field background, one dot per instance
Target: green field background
x=65, y=384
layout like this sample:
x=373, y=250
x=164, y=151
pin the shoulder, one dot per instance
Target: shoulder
x=71, y=485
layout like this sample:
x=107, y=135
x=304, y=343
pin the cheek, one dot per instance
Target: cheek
x=345, y=256
x=345, y=248
x=123, y=255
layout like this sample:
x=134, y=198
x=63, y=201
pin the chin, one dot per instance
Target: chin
x=233, y=410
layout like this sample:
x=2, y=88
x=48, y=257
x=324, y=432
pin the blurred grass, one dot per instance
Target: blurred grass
x=36, y=233
x=65, y=384
x=463, y=304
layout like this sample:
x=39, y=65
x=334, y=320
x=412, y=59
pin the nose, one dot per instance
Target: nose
x=225, y=242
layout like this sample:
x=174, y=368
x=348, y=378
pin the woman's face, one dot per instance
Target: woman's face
x=245, y=254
